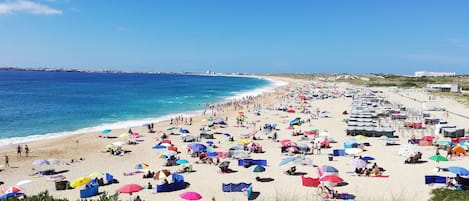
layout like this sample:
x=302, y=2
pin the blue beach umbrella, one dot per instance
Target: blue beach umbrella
x=327, y=168
x=158, y=147
x=227, y=135
x=182, y=161
x=367, y=158
x=212, y=154
x=458, y=170
x=237, y=147
x=209, y=142
x=106, y=131
x=287, y=160
x=197, y=147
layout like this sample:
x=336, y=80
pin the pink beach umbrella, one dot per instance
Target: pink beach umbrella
x=130, y=188
x=284, y=142
x=191, y=196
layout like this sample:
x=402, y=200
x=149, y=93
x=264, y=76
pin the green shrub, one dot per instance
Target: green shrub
x=448, y=195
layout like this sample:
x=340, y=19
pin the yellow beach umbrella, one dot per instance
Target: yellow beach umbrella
x=124, y=135
x=360, y=137
x=80, y=182
x=244, y=140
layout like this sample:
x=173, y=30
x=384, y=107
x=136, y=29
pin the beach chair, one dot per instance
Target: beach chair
x=89, y=192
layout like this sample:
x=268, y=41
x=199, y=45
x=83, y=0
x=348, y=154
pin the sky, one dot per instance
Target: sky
x=251, y=36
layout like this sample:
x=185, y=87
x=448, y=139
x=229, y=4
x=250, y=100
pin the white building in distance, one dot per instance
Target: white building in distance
x=434, y=74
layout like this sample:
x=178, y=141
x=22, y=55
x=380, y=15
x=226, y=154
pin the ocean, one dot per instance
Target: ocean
x=39, y=104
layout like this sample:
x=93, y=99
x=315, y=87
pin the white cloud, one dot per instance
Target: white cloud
x=27, y=6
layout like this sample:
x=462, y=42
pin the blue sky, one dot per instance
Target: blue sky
x=256, y=36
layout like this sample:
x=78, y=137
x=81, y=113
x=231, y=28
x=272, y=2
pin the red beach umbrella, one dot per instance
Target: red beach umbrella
x=130, y=188
x=191, y=196
x=331, y=178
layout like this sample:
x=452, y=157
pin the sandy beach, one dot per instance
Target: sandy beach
x=405, y=181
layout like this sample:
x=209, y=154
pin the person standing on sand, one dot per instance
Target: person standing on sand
x=26, y=150
x=18, y=151
x=7, y=161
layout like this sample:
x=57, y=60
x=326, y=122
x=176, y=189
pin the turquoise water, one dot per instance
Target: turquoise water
x=35, y=104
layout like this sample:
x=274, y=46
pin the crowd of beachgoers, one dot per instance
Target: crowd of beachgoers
x=304, y=141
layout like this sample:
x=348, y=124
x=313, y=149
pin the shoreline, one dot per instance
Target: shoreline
x=11, y=142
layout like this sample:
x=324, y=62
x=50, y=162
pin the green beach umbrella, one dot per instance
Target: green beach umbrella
x=256, y=168
x=438, y=158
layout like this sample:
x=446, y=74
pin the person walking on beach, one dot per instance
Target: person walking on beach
x=7, y=161
x=18, y=150
x=26, y=150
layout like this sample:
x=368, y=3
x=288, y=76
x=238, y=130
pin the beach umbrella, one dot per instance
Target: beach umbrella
x=158, y=147
x=10, y=195
x=124, y=135
x=408, y=150
x=197, y=147
x=169, y=153
x=188, y=138
x=54, y=161
x=352, y=151
x=367, y=158
x=165, y=144
x=327, y=168
x=360, y=137
x=209, y=142
x=11, y=189
x=331, y=178
x=130, y=188
x=357, y=163
x=190, y=196
x=80, y=182
x=161, y=174
x=443, y=142
x=244, y=140
x=166, y=141
x=212, y=154
x=141, y=166
x=227, y=134
x=292, y=149
x=40, y=162
x=23, y=182
x=182, y=161
x=237, y=147
x=309, y=133
x=284, y=142
x=427, y=138
x=106, y=131
x=256, y=168
x=287, y=160
x=438, y=158
x=458, y=170
x=96, y=175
